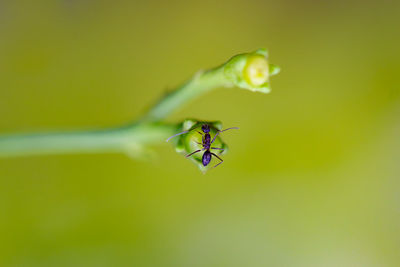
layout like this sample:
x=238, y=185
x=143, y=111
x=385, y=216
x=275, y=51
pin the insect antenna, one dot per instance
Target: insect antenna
x=237, y=128
x=169, y=138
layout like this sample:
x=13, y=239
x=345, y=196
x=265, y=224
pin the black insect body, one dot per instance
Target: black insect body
x=206, y=143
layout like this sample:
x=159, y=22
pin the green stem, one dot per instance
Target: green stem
x=201, y=83
x=248, y=71
x=129, y=140
x=63, y=143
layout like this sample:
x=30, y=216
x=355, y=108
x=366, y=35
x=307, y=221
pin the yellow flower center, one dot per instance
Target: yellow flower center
x=256, y=71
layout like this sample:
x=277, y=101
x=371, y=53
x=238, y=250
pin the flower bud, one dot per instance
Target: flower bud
x=256, y=70
x=192, y=141
x=251, y=71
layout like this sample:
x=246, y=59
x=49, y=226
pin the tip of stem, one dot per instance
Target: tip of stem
x=251, y=71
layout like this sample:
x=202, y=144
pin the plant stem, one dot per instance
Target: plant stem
x=248, y=71
x=201, y=83
x=127, y=139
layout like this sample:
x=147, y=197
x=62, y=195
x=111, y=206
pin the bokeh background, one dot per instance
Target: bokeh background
x=312, y=177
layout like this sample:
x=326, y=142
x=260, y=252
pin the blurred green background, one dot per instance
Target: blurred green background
x=312, y=177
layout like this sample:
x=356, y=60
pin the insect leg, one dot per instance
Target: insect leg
x=202, y=136
x=223, y=131
x=218, y=158
x=222, y=150
x=188, y=155
x=177, y=135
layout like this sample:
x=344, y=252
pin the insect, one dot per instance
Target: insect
x=206, y=143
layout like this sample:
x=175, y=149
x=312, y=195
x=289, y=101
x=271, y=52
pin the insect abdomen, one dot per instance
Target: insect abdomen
x=206, y=158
